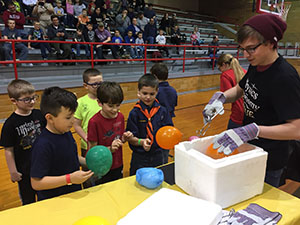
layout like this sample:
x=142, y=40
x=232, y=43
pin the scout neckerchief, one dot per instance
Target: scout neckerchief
x=148, y=115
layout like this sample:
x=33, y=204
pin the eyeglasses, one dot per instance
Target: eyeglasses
x=94, y=85
x=250, y=50
x=28, y=100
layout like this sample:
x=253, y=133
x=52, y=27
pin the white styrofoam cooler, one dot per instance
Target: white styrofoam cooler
x=225, y=181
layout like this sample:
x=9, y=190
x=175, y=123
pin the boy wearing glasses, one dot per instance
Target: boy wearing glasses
x=18, y=134
x=87, y=107
x=271, y=92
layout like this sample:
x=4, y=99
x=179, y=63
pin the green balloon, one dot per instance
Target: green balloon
x=99, y=160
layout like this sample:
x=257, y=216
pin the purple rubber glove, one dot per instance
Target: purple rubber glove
x=254, y=215
x=229, y=140
x=214, y=105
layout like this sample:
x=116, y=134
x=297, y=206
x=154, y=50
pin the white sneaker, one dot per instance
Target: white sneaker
x=45, y=63
x=27, y=64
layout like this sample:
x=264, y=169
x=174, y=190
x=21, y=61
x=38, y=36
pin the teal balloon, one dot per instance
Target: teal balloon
x=99, y=160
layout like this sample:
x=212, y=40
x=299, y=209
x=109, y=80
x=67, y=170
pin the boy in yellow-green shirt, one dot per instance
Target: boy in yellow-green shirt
x=87, y=107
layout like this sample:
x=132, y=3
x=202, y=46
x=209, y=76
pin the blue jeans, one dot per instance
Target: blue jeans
x=139, y=51
x=43, y=46
x=132, y=51
x=273, y=177
x=86, y=48
x=150, y=40
x=212, y=60
x=19, y=46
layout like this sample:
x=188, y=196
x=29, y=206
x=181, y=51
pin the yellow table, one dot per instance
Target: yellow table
x=114, y=200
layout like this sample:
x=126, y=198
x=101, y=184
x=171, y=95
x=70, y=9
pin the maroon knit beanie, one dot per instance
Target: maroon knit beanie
x=270, y=26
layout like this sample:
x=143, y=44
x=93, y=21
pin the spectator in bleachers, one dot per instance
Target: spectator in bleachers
x=197, y=37
x=134, y=27
x=97, y=17
x=78, y=7
x=2, y=53
x=117, y=38
x=57, y=32
x=161, y=40
x=132, y=4
x=194, y=39
x=99, y=3
x=104, y=36
x=165, y=24
x=142, y=21
x=131, y=13
x=173, y=21
x=2, y=6
x=213, y=51
x=79, y=37
x=83, y=19
x=91, y=7
x=139, y=49
x=130, y=48
x=18, y=5
x=150, y=32
x=27, y=6
x=43, y=11
x=89, y=35
x=123, y=4
x=11, y=32
x=122, y=22
x=12, y=14
x=149, y=12
x=137, y=5
x=106, y=6
x=140, y=5
x=113, y=10
x=36, y=33
x=109, y=18
x=70, y=19
x=176, y=37
x=59, y=11
x=108, y=22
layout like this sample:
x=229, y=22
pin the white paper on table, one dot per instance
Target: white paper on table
x=172, y=207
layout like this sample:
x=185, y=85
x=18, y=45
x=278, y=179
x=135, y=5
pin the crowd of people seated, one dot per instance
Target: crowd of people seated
x=124, y=21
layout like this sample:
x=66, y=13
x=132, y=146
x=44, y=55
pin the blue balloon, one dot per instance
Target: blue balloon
x=149, y=177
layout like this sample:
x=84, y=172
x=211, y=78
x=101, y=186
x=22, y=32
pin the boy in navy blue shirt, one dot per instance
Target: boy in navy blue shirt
x=167, y=95
x=130, y=48
x=144, y=120
x=55, y=162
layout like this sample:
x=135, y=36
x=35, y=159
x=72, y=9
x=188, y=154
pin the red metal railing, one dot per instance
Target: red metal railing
x=92, y=60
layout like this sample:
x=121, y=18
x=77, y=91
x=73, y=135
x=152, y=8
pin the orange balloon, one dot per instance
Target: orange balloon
x=213, y=153
x=167, y=137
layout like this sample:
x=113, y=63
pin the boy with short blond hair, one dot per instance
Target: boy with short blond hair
x=144, y=121
x=55, y=162
x=18, y=134
x=107, y=127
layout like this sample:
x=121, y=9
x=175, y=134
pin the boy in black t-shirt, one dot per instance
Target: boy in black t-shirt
x=18, y=134
x=271, y=91
x=55, y=162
